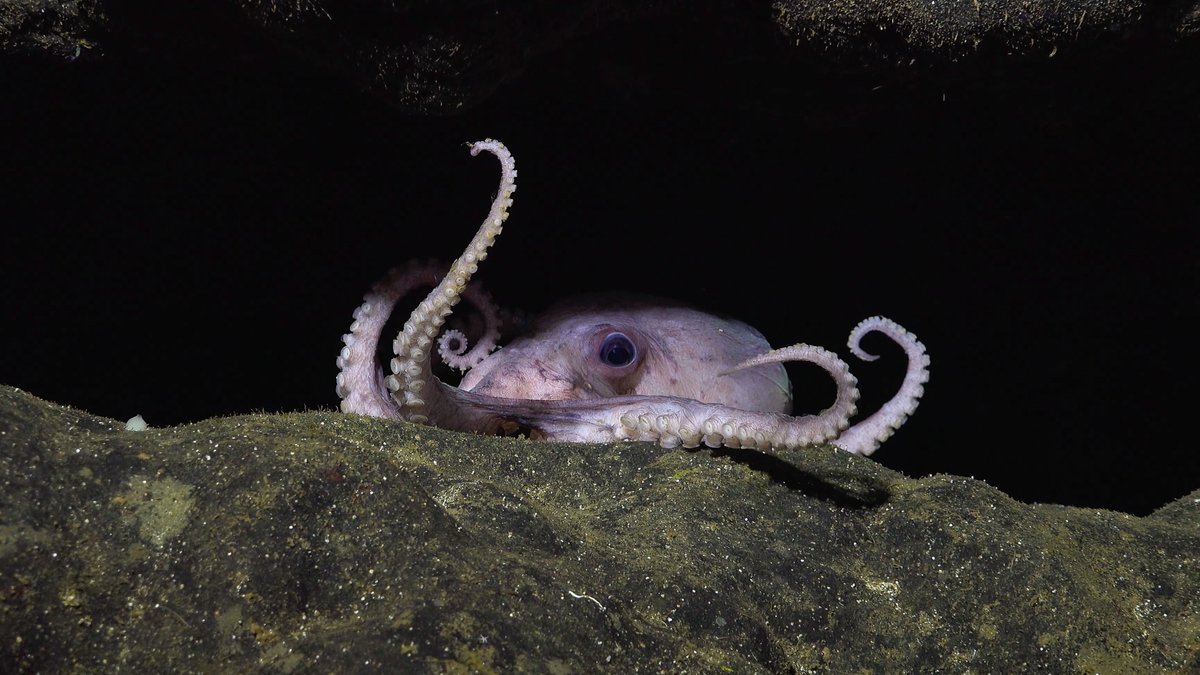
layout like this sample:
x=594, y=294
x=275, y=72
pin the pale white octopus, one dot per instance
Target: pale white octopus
x=604, y=368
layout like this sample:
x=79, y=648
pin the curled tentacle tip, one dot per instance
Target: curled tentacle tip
x=452, y=342
x=862, y=355
x=486, y=144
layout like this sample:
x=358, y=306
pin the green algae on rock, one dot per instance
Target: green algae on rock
x=321, y=541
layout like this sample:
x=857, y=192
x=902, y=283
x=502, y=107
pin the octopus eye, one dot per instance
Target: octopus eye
x=617, y=350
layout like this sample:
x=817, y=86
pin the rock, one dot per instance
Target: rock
x=441, y=58
x=326, y=542
x=878, y=30
x=62, y=29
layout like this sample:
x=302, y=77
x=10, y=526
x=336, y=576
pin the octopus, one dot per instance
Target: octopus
x=602, y=368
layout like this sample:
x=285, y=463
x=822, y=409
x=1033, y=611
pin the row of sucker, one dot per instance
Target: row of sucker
x=411, y=366
x=866, y=436
x=454, y=347
x=719, y=426
x=360, y=381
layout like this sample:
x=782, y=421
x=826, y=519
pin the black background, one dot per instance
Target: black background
x=186, y=235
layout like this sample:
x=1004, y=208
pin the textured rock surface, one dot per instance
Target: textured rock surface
x=324, y=542
x=890, y=29
x=59, y=28
x=437, y=58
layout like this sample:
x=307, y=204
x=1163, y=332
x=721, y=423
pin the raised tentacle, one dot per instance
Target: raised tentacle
x=865, y=437
x=360, y=380
x=418, y=394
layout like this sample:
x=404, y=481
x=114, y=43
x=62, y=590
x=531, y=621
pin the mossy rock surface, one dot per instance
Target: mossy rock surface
x=325, y=542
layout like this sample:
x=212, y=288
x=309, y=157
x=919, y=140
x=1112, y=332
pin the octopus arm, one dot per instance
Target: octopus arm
x=866, y=436
x=360, y=381
x=417, y=393
x=671, y=421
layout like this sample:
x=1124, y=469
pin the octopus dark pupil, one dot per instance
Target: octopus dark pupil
x=617, y=350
